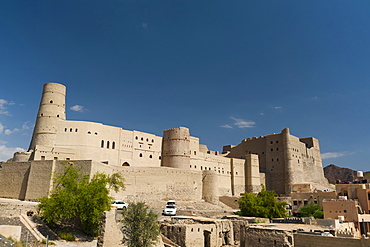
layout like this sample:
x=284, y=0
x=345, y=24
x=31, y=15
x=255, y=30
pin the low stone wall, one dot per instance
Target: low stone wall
x=14, y=208
x=307, y=240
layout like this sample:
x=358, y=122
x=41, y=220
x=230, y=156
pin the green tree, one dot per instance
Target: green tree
x=140, y=226
x=78, y=202
x=311, y=209
x=262, y=204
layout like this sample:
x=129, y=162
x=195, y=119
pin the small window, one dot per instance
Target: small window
x=277, y=141
x=152, y=140
x=271, y=142
x=96, y=133
x=70, y=130
x=140, y=155
x=65, y=130
x=55, y=158
x=68, y=159
x=277, y=149
x=76, y=130
x=102, y=144
x=136, y=137
x=89, y=132
x=150, y=156
x=42, y=157
x=295, y=203
x=107, y=144
x=147, y=139
x=344, y=211
x=142, y=139
x=305, y=202
x=113, y=145
x=51, y=102
x=58, y=115
x=272, y=149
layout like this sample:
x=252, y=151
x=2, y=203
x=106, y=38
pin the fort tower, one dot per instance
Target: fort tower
x=175, y=148
x=51, y=110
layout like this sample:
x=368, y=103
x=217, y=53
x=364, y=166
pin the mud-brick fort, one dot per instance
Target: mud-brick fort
x=173, y=166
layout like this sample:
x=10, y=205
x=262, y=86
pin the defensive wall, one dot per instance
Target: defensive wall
x=33, y=179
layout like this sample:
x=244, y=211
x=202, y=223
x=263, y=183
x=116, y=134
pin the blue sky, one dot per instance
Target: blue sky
x=227, y=70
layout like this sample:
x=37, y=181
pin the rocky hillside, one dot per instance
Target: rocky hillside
x=333, y=172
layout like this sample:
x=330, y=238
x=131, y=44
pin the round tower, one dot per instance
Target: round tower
x=175, y=148
x=51, y=110
x=288, y=162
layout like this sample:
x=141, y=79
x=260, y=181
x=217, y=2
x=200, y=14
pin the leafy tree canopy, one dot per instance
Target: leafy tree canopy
x=140, y=226
x=79, y=202
x=262, y=204
x=311, y=209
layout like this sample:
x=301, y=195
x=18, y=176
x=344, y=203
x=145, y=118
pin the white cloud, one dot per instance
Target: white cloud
x=78, y=108
x=278, y=107
x=144, y=25
x=3, y=104
x=332, y=155
x=9, y=131
x=7, y=153
x=241, y=123
x=227, y=126
x=1, y=128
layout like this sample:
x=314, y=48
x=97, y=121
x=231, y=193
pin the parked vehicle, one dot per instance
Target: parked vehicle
x=170, y=210
x=119, y=204
x=171, y=202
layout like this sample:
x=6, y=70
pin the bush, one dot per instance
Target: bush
x=262, y=205
x=311, y=209
x=66, y=236
x=140, y=227
x=78, y=202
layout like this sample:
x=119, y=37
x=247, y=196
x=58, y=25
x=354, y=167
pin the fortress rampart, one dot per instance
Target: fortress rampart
x=174, y=166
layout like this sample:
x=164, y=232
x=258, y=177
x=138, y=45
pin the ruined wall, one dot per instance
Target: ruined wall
x=254, y=236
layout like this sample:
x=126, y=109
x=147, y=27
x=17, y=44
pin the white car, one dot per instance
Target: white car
x=119, y=204
x=170, y=210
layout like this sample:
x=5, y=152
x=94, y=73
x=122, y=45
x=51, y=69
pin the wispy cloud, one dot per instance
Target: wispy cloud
x=9, y=131
x=332, y=155
x=78, y=108
x=7, y=152
x=3, y=108
x=144, y=25
x=227, y=126
x=1, y=128
x=277, y=107
x=241, y=123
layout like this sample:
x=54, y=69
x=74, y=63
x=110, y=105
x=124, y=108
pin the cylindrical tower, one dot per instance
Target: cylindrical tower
x=51, y=110
x=210, y=192
x=175, y=148
x=288, y=162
